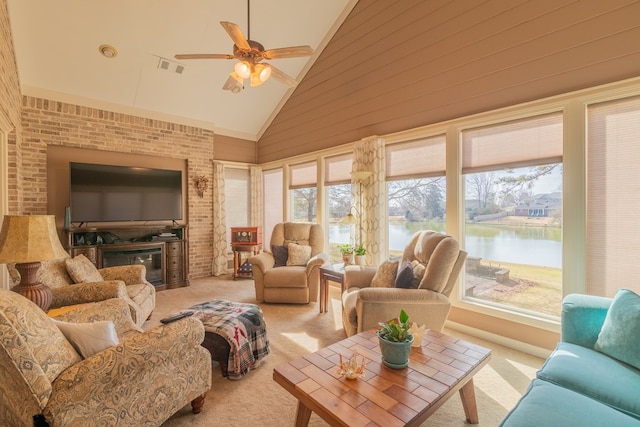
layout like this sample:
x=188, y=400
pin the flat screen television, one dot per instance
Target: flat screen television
x=108, y=193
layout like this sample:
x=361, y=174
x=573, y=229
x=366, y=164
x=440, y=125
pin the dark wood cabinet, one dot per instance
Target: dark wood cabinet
x=163, y=250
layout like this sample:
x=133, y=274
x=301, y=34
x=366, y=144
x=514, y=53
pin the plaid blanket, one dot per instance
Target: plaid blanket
x=242, y=325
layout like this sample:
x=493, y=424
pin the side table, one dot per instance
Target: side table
x=335, y=273
x=243, y=268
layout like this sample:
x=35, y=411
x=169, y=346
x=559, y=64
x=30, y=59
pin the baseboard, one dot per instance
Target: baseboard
x=533, y=350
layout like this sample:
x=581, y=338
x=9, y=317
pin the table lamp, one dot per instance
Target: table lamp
x=26, y=240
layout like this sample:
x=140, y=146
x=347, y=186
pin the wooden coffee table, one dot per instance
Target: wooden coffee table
x=387, y=397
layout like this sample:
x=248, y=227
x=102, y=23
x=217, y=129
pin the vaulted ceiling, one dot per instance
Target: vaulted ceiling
x=56, y=44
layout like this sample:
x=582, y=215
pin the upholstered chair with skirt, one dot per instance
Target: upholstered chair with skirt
x=290, y=271
x=420, y=283
x=93, y=366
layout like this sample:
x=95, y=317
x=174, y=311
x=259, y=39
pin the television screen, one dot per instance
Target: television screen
x=124, y=193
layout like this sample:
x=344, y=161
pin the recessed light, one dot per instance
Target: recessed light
x=108, y=51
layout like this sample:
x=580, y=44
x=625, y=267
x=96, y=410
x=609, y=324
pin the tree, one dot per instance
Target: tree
x=304, y=204
x=417, y=199
x=518, y=185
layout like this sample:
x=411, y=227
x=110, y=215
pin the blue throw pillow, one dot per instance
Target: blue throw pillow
x=280, y=254
x=619, y=336
x=405, y=276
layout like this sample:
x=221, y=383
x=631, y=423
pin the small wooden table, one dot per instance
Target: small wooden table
x=335, y=273
x=243, y=268
x=386, y=397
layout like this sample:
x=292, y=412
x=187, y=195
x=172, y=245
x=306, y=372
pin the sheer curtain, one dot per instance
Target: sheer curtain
x=255, y=197
x=220, y=243
x=368, y=156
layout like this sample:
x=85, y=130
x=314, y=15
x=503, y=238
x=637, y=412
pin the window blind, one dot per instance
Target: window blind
x=303, y=175
x=337, y=169
x=416, y=159
x=237, y=205
x=613, y=235
x=519, y=143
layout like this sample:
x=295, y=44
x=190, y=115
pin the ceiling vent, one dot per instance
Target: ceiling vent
x=166, y=65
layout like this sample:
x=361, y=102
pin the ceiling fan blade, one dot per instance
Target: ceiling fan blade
x=204, y=56
x=288, y=52
x=236, y=35
x=282, y=76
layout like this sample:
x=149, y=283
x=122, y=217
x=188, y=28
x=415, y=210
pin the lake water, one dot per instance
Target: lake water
x=541, y=246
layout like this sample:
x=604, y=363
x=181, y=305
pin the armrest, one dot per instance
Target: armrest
x=582, y=318
x=356, y=276
x=115, y=310
x=400, y=295
x=83, y=293
x=158, y=368
x=129, y=274
x=316, y=261
x=264, y=261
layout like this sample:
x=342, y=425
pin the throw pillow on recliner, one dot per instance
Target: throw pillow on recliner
x=298, y=254
x=385, y=275
x=405, y=276
x=280, y=255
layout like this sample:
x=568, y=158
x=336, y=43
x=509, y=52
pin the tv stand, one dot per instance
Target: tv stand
x=162, y=249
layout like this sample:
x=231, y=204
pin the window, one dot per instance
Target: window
x=613, y=154
x=416, y=189
x=303, y=191
x=273, y=203
x=338, y=192
x=513, y=214
x=237, y=202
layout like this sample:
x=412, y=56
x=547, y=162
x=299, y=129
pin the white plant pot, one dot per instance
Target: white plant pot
x=360, y=259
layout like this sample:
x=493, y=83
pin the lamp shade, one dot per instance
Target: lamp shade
x=350, y=219
x=29, y=238
x=242, y=69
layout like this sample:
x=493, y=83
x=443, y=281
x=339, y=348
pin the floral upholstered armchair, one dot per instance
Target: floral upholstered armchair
x=135, y=378
x=77, y=281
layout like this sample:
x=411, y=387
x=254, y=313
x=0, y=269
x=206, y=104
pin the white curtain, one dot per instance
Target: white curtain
x=372, y=203
x=220, y=243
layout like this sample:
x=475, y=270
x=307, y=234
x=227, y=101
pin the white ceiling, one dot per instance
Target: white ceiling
x=56, y=45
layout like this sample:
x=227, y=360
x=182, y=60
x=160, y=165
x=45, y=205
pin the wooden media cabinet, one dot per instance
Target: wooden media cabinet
x=163, y=250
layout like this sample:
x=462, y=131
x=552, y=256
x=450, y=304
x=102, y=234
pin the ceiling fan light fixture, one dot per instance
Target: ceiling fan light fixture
x=263, y=71
x=236, y=77
x=242, y=69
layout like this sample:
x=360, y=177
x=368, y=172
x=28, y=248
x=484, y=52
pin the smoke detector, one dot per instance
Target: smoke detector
x=108, y=51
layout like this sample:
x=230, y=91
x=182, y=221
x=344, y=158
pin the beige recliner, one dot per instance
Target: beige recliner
x=290, y=283
x=435, y=261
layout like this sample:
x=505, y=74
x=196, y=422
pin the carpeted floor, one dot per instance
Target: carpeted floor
x=295, y=330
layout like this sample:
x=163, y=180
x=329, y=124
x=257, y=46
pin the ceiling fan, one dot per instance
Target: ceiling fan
x=249, y=54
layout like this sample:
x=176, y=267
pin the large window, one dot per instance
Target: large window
x=338, y=194
x=416, y=189
x=303, y=191
x=613, y=154
x=273, y=203
x=237, y=201
x=513, y=214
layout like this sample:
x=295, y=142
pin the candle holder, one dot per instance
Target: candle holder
x=353, y=368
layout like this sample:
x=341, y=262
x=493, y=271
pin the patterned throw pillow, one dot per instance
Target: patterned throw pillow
x=280, y=254
x=298, y=254
x=385, y=275
x=82, y=270
x=405, y=276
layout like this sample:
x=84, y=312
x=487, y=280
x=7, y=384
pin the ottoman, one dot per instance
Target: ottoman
x=235, y=335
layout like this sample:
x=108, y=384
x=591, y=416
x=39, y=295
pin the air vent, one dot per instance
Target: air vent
x=173, y=67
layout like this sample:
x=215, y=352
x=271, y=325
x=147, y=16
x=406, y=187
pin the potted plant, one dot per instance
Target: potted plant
x=347, y=253
x=360, y=253
x=395, y=341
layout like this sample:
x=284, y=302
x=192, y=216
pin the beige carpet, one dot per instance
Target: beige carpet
x=295, y=330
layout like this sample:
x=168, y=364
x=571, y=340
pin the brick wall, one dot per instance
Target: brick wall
x=46, y=123
x=10, y=99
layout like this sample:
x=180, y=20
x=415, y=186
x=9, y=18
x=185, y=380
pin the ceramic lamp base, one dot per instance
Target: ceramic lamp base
x=30, y=288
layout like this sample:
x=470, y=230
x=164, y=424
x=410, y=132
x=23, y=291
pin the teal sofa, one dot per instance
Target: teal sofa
x=581, y=384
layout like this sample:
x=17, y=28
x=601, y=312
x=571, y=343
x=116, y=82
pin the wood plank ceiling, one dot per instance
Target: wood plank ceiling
x=396, y=65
